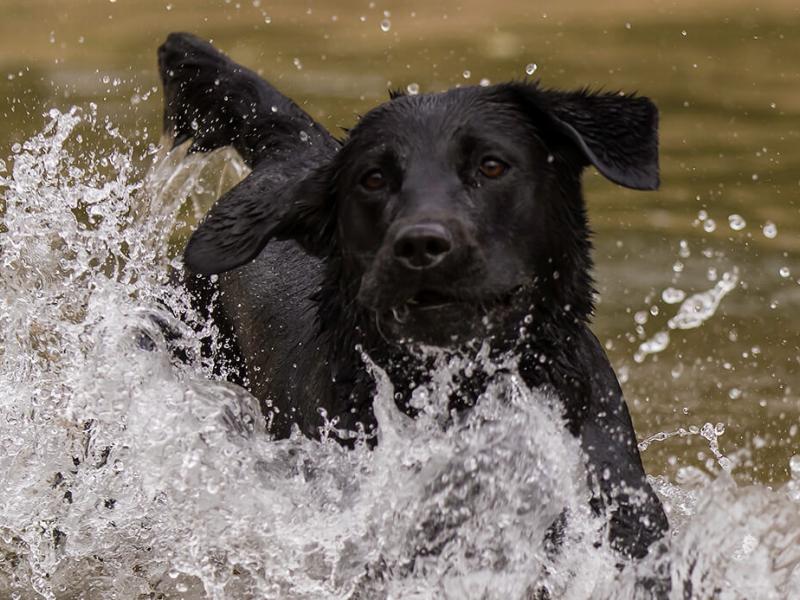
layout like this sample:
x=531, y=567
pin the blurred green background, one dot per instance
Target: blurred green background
x=724, y=74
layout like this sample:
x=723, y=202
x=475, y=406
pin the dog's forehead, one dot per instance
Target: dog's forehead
x=433, y=117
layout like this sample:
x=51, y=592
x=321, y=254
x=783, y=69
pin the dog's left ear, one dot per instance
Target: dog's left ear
x=259, y=209
x=616, y=133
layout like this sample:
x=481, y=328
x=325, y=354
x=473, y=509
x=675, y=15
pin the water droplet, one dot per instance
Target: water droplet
x=386, y=25
x=672, y=295
x=709, y=225
x=736, y=222
x=785, y=272
x=794, y=466
x=304, y=136
x=16, y=148
x=654, y=345
x=640, y=317
x=466, y=74
x=676, y=372
x=700, y=307
x=485, y=82
x=734, y=393
x=530, y=68
x=296, y=62
x=683, y=250
x=769, y=230
x=413, y=88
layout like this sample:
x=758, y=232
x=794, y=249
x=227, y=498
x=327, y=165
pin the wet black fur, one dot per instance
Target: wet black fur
x=297, y=301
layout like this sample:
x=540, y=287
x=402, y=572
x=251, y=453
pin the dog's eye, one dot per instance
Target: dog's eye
x=493, y=168
x=374, y=180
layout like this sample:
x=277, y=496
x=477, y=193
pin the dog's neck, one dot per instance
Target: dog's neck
x=537, y=335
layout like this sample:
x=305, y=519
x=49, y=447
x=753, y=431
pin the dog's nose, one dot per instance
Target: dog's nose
x=422, y=246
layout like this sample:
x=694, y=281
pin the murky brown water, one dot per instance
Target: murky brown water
x=725, y=77
x=125, y=475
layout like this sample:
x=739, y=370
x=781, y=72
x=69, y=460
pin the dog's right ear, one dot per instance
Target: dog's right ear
x=259, y=209
x=618, y=134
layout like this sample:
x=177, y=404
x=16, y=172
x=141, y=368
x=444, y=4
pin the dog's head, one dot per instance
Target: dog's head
x=443, y=207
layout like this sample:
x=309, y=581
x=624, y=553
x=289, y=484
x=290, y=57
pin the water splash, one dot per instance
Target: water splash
x=710, y=432
x=700, y=307
x=692, y=313
x=129, y=473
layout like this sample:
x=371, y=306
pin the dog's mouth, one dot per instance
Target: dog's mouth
x=421, y=305
x=439, y=307
x=429, y=303
x=429, y=299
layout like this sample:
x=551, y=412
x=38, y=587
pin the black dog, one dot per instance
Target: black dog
x=441, y=219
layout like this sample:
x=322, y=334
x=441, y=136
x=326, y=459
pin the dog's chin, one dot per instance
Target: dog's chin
x=446, y=324
x=435, y=318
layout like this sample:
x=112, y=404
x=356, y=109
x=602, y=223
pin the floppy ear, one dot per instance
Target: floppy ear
x=239, y=225
x=616, y=133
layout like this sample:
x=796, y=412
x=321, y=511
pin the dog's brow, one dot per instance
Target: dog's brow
x=471, y=142
x=365, y=156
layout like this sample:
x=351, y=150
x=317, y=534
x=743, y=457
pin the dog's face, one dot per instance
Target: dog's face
x=450, y=204
x=444, y=207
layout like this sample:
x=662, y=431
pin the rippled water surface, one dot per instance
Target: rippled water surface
x=129, y=474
